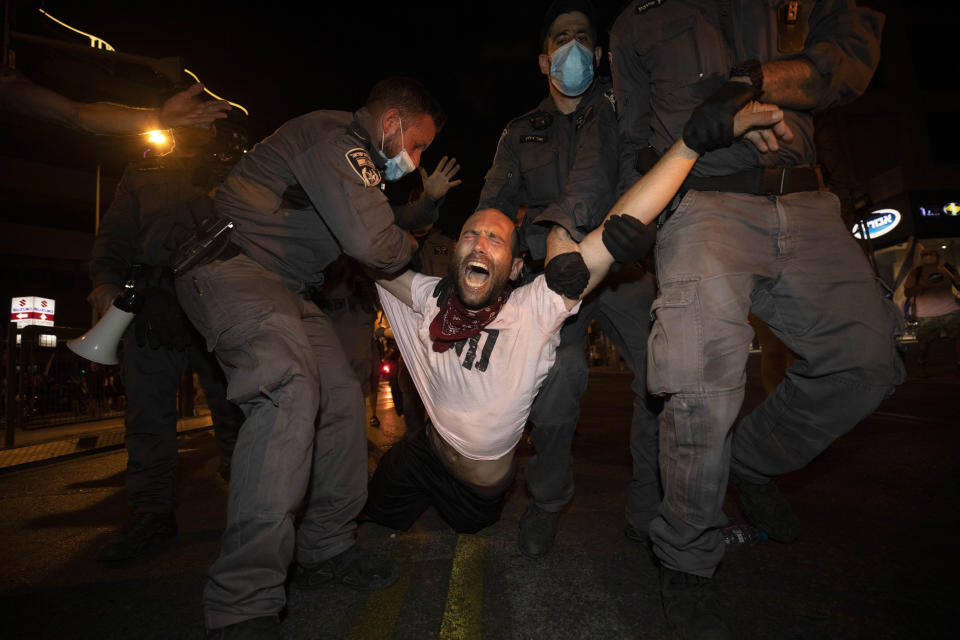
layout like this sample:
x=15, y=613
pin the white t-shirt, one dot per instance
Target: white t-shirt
x=479, y=391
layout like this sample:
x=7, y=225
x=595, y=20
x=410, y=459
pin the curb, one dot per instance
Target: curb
x=71, y=447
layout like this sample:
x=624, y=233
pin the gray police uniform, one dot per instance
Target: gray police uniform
x=562, y=169
x=779, y=251
x=140, y=227
x=299, y=198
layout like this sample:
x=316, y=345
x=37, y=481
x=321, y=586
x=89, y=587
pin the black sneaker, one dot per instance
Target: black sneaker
x=356, y=568
x=767, y=509
x=147, y=532
x=264, y=628
x=538, y=528
x=690, y=606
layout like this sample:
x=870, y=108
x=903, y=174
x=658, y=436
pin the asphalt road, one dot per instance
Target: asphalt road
x=876, y=558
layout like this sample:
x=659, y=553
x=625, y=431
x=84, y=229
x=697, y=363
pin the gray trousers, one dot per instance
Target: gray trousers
x=790, y=260
x=303, y=438
x=151, y=380
x=621, y=307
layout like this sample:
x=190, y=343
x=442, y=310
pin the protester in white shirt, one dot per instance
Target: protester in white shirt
x=479, y=349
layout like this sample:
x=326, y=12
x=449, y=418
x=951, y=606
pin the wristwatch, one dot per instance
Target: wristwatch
x=751, y=69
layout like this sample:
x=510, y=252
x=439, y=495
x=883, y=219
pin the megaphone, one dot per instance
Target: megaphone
x=100, y=343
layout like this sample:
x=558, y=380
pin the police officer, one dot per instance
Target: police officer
x=557, y=165
x=150, y=211
x=300, y=198
x=752, y=231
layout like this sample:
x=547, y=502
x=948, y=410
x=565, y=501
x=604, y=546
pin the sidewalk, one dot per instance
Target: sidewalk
x=35, y=446
x=66, y=441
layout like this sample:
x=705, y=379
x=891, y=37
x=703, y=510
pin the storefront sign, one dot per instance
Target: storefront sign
x=28, y=310
x=936, y=213
x=879, y=223
x=950, y=210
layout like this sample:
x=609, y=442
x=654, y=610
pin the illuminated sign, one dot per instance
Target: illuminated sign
x=880, y=222
x=28, y=310
x=951, y=209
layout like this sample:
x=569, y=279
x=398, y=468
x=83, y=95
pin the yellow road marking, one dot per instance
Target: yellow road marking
x=463, y=614
x=381, y=609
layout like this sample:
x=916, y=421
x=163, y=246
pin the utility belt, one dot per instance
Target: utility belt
x=760, y=181
x=230, y=250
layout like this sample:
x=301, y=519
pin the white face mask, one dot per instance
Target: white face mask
x=400, y=164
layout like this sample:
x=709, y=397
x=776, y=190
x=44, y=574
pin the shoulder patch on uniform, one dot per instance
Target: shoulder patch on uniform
x=533, y=138
x=361, y=162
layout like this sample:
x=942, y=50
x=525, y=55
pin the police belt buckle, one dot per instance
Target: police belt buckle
x=778, y=181
x=211, y=237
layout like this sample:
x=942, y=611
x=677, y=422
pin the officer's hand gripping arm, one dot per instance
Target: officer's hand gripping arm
x=649, y=195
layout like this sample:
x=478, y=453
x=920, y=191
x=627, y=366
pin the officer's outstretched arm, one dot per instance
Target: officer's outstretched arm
x=652, y=193
x=21, y=95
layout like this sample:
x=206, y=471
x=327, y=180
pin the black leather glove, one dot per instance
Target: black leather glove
x=627, y=239
x=711, y=124
x=567, y=274
x=161, y=322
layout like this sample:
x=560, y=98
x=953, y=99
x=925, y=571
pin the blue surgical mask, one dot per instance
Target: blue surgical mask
x=400, y=164
x=571, y=68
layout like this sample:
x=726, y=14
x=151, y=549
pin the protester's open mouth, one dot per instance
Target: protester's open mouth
x=476, y=274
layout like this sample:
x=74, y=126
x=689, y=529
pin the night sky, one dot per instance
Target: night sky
x=281, y=60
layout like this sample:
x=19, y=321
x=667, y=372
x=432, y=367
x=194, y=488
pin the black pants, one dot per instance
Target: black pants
x=152, y=378
x=410, y=477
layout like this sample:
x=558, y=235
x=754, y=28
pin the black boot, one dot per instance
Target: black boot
x=538, y=528
x=767, y=509
x=357, y=568
x=690, y=606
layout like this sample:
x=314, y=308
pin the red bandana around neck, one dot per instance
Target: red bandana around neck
x=454, y=322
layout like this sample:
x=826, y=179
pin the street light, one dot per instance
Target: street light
x=158, y=138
